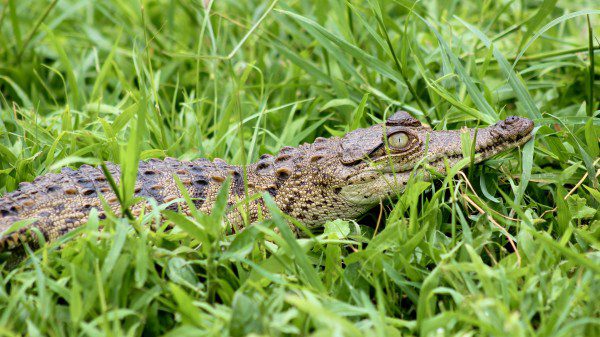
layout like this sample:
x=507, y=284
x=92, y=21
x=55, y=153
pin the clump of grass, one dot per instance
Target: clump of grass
x=510, y=247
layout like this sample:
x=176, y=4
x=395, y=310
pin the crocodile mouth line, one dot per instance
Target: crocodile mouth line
x=486, y=151
x=480, y=154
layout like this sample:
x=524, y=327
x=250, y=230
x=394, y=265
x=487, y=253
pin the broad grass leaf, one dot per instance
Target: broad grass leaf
x=488, y=114
x=551, y=24
x=514, y=80
x=544, y=11
x=324, y=35
x=185, y=306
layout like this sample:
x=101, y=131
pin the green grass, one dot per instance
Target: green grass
x=85, y=81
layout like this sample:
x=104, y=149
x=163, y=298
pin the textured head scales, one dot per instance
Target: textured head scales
x=361, y=143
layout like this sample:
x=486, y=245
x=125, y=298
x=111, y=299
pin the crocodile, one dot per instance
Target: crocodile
x=331, y=178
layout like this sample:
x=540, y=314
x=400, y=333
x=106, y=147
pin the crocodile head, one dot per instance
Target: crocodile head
x=378, y=161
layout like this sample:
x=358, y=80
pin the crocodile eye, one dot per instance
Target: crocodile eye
x=398, y=140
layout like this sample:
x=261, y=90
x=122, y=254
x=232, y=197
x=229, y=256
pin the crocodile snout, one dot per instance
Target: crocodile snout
x=522, y=126
x=512, y=127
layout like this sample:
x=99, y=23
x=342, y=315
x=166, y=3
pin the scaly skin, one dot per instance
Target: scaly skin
x=328, y=179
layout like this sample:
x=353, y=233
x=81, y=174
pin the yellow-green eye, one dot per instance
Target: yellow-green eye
x=398, y=140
